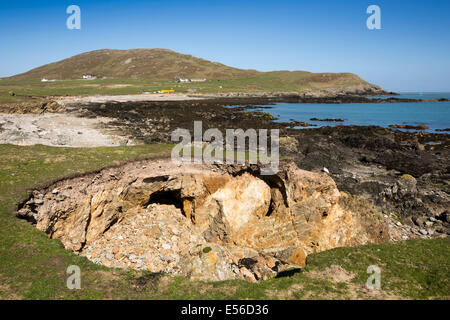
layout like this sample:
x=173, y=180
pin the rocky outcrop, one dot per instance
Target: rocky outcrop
x=402, y=173
x=208, y=223
x=39, y=107
x=362, y=89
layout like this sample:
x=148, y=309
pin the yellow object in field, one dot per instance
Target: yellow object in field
x=167, y=91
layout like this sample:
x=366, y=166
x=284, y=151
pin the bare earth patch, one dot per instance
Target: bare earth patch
x=333, y=273
x=6, y=292
x=338, y=275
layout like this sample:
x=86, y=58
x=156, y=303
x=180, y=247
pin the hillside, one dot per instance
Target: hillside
x=135, y=71
x=155, y=64
x=163, y=64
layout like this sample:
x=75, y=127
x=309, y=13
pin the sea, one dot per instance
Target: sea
x=435, y=115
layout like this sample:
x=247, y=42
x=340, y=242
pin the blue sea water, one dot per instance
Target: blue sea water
x=436, y=115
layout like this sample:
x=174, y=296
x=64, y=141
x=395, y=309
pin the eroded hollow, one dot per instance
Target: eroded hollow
x=167, y=198
x=203, y=222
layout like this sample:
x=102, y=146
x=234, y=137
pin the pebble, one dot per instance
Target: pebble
x=423, y=231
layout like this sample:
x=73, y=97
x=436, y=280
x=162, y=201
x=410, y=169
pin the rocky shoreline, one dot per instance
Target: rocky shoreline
x=367, y=161
x=365, y=184
x=402, y=173
x=242, y=99
x=57, y=104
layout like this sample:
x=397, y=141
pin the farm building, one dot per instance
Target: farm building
x=198, y=80
x=190, y=80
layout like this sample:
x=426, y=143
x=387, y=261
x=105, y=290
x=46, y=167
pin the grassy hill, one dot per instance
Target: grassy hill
x=155, y=64
x=164, y=64
x=138, y=70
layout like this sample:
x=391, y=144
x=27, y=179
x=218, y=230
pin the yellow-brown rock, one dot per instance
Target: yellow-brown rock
x=205, y=222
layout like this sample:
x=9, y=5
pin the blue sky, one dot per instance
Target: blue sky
x=410, y=53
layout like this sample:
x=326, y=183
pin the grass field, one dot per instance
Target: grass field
x=278, y=81
x=32, y=266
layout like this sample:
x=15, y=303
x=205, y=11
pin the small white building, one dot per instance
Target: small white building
x=190, y=80
x=89, y=77
x=198, y=80
x=44, y=80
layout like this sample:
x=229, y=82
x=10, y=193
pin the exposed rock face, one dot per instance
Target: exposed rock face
x=208, y=223
x=47, y=106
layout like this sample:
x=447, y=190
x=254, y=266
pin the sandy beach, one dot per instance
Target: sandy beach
x=128, y=98
x=63, y=130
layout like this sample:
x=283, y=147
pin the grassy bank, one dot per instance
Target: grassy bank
x=34, y=267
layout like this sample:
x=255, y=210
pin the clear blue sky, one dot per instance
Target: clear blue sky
x=410, y=53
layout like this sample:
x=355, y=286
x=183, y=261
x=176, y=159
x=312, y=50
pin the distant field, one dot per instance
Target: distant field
x=29, y=91
x=279, y=81
x=32, y=266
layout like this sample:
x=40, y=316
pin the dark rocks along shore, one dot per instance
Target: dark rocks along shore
x=406, y=174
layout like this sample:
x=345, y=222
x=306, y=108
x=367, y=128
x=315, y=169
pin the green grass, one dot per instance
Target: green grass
x=32, y=266
x=28, y=91
x=156, y=69
x=277, y=81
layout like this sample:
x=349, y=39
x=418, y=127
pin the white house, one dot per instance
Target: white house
x=89, y=76
x=191, y=80
x=198, y=80
x=44, y=80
